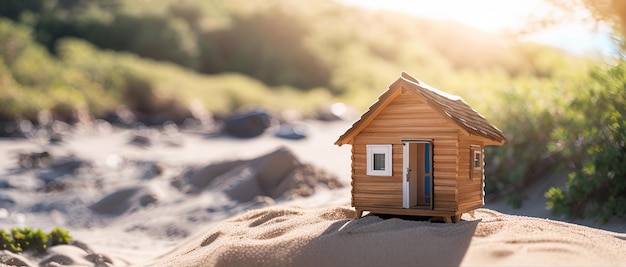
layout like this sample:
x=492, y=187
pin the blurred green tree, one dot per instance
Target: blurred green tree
x=598, y=188
x=268, y=46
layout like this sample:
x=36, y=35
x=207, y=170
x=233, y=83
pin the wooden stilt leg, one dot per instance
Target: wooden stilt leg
x=456, y=218
x=358, y=213
x=447, y=219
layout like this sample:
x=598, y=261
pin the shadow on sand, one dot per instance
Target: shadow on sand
x=391, y=241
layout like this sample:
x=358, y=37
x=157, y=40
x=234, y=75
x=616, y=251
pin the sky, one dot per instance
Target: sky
x=502, y=16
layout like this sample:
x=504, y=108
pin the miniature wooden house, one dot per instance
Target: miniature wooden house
x=419, y=151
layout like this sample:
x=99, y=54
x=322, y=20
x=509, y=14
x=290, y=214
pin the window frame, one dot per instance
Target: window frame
x=385, y=149
x=479, y=154
x=476, y=153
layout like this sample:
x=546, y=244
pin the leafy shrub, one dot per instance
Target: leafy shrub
x=598, y=188
x=37, y=240
x=19, y=237
x=59, y=236
x=7, y=242
x=527, y=156
x=24, y=239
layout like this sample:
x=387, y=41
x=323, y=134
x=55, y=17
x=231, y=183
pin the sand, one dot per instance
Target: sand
x=331, y=237
x=169, y=197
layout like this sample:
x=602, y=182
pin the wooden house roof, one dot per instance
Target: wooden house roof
x=451, y=107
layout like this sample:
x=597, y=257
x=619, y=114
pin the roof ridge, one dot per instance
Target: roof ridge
x=451, y=106
x=410, y=78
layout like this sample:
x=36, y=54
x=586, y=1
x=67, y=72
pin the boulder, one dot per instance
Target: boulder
x=248, y=124
x=127, y=199
x=11, y=129
x=278, y=174
x=292, y=131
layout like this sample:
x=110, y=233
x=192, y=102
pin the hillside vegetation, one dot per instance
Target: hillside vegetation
x=163, y=55
x=297, y=47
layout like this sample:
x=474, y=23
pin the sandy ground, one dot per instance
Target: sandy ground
x=329, y=237
x=139, y=197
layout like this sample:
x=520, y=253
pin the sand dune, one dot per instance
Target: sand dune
x=329, y=237
x=221, y=201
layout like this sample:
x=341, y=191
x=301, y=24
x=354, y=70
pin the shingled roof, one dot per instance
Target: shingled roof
x=449, y=106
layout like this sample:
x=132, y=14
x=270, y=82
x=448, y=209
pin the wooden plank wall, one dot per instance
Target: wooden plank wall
x=377, y=191
x=445, y=174
x=471, y=187
x=353, y=168
x=406, y=117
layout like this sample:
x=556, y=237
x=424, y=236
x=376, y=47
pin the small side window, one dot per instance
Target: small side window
x=476, y=161
x=379, y=160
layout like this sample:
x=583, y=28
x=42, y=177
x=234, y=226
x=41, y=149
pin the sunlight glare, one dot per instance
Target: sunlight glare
x=486, y=15
x=503, y=17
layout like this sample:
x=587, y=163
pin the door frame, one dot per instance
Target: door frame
x=405, y=166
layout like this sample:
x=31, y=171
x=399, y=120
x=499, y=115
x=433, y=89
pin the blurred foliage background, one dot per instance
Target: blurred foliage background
x=562, y=113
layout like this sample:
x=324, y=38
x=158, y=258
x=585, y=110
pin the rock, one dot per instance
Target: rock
x=69, y=165
x=140, y=140
x=278, y=174
x=68, y=202
x=124, y=200
x=196, y=180
x=151, y=169
x=12, y=259
x=247, y=125
x=56, y=138
x=65, y=173
x=163, y=111
x=34, y=159
x=11, y=129
x=57, y=186
x=121, y=116
x=292, y=131
x=148, y=199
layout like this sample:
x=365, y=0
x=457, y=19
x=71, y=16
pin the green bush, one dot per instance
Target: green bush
x=59, y=236
x=38, y=241
x=7, y=242
x=25, y=239
x=527, y=156
x=597, y=189
x=20, y=236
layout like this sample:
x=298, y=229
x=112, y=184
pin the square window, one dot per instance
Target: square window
x=379, y=160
